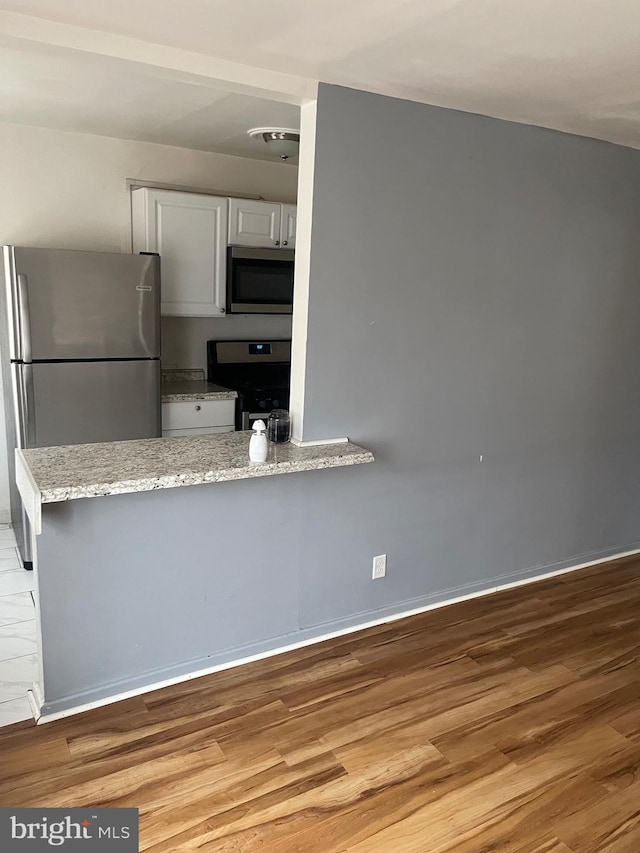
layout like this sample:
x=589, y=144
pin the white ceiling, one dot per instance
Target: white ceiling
x=568, y=64
x=91, y=94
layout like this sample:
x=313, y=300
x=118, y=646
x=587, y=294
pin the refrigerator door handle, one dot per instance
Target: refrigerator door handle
x=20, y=409
x=28, y=414
x=25, y=324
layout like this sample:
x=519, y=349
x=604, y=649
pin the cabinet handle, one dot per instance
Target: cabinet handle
x=198, y=408
x=277, y=242
x=284, y=243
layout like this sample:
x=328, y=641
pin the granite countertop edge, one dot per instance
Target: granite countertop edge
x=201, y=395
x=64, y=473
x=196, y=478
x=190, y=391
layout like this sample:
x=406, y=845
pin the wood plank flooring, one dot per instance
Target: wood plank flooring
x=508, y=723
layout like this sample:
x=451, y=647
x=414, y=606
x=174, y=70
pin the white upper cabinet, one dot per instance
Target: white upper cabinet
x=262, y=224
x=254, y=223
x=189, y=232
x=288, y=226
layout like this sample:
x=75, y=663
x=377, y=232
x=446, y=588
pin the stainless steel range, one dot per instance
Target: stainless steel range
x=258, y=370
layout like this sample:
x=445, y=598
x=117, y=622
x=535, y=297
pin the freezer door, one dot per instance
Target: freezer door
x=85, y=402
x=79, y=305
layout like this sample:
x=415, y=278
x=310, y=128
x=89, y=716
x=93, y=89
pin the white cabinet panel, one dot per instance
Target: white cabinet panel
x=254, y=223
x=189, y=233
x=288, y=227
x=198, y=414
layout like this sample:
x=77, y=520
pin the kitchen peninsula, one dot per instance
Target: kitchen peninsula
x=137, y=589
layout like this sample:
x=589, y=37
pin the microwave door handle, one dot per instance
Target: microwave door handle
x=23, y=313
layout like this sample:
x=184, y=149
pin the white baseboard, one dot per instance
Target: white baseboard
x=158, y=685
x=35, y=701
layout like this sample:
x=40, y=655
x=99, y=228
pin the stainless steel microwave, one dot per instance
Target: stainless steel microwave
x=259, y=281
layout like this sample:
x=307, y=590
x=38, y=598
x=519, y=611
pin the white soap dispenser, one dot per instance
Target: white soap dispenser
x=258, y=443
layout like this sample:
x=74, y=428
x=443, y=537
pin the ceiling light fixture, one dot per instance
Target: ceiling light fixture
x=283, y=141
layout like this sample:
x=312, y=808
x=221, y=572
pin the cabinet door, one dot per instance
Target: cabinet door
x=288, y=226
x=189, y=233
x=254, y=223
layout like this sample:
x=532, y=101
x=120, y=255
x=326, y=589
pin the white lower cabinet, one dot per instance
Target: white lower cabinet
x=198, y=417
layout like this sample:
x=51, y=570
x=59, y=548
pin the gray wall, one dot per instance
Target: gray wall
x=474, y=292
x=138, y=588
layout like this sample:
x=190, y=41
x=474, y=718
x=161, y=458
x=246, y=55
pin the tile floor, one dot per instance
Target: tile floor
x=18, y=660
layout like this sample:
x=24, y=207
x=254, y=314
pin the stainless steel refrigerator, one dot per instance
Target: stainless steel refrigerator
x=80, y=342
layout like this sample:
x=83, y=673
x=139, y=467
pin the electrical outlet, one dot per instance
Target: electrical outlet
x=379, y=567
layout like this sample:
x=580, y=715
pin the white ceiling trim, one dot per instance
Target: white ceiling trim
x=180, y=64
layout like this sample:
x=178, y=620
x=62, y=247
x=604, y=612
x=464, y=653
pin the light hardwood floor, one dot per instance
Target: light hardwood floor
x=507, y=723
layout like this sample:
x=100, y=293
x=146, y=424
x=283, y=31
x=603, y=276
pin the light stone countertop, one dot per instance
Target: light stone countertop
x=70, y=472
x=186, y=384
x=194, y=389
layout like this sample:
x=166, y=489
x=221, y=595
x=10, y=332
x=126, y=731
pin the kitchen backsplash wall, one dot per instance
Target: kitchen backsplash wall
x=184, y=339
